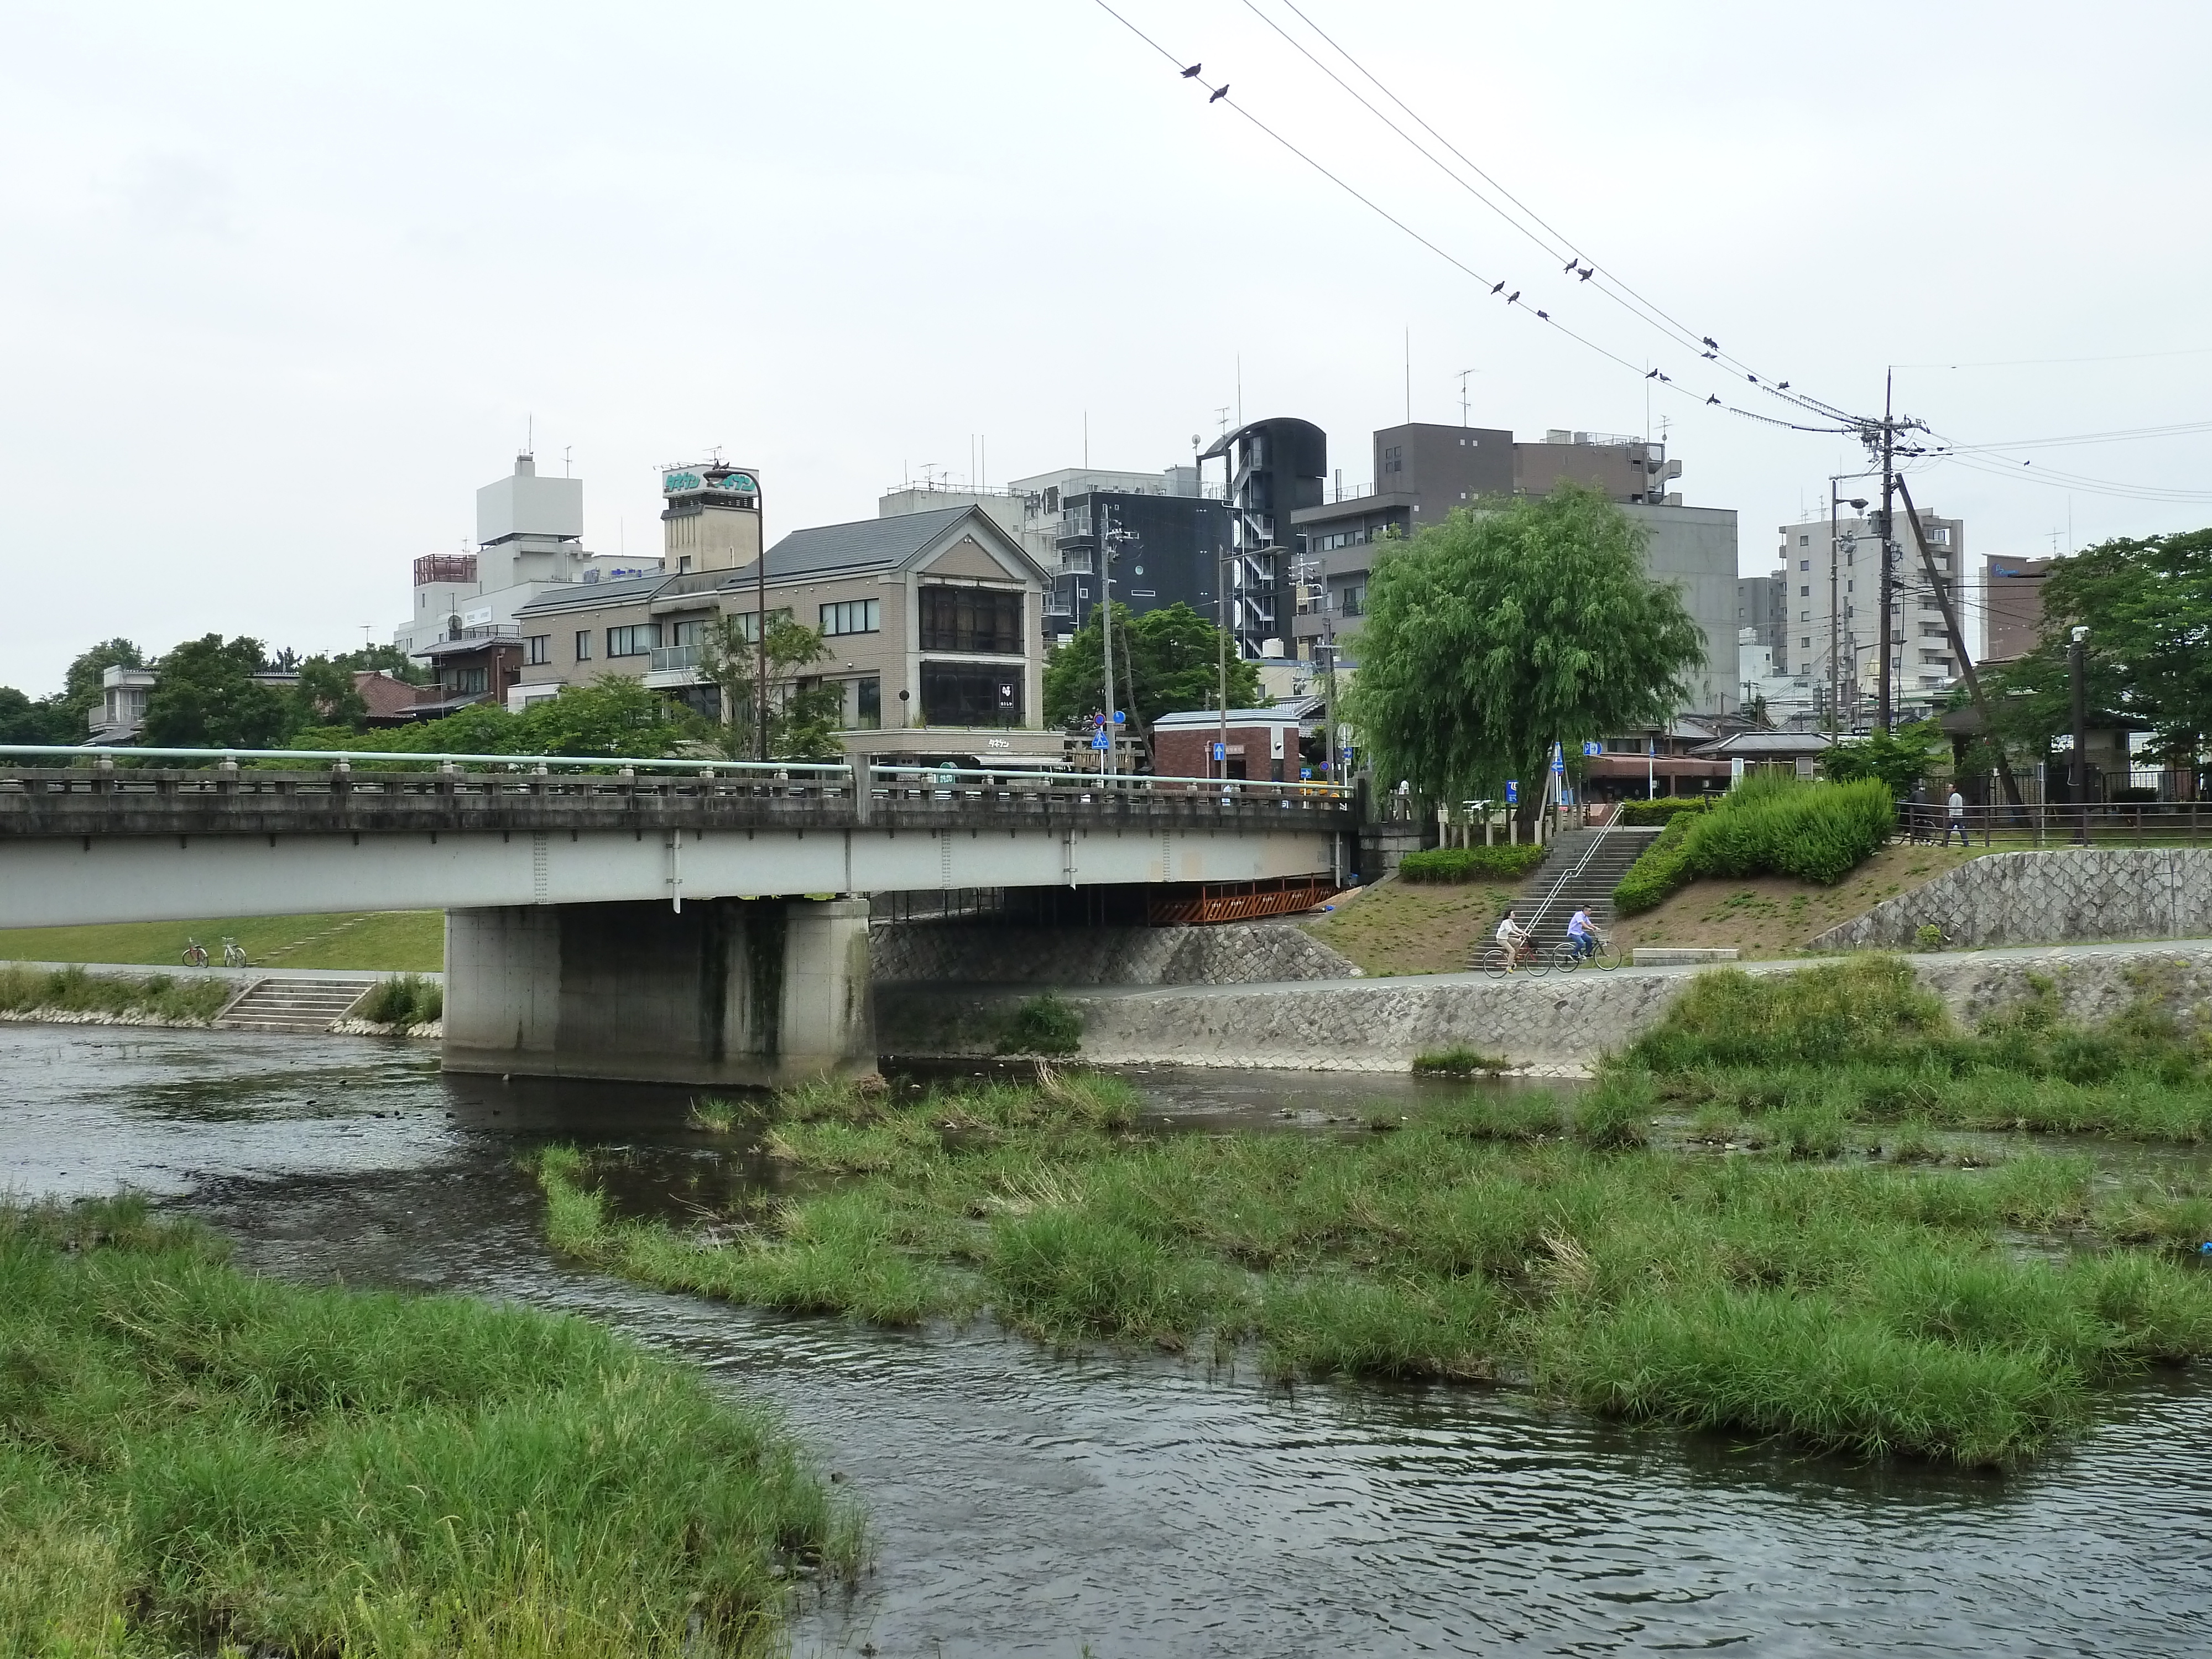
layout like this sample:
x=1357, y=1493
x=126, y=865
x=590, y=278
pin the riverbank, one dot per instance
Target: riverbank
x=1562, y=1023
x=199, y=1457
x=392, y=941
x=1843, y=1301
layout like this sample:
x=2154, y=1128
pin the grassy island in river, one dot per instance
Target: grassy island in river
x=193, y=1460
x=1836, y=1289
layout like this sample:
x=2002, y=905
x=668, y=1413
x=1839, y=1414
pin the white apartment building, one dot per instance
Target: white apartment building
x=529, y=542
x=1832, y=613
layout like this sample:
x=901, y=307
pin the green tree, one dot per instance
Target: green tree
x=804, y=712
x=1900, y=760
x=326, y=695
x=47, y=719
x=615, y=715
x=207, y=698
x=384, y=659
x=81, y=690
x=1165, y=662
x=1504, y=629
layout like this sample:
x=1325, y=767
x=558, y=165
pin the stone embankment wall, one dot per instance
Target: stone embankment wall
x=986, y=953
x=2068, y=895
x=1565, y=1021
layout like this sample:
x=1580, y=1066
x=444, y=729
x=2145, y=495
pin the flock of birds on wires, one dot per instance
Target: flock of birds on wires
x=1907, y=441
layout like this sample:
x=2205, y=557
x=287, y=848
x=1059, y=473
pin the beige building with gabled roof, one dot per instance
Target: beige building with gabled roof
x=933, y=623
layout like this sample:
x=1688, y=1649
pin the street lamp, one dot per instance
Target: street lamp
x=1835, y=684
x=2077, y=654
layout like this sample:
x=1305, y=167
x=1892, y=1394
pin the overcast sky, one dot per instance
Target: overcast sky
x=283, y=285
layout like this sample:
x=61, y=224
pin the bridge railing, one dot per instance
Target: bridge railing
x=526, y=763
x=955, y=782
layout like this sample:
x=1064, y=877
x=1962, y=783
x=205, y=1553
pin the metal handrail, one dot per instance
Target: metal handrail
x=1094, y=780
x=1581, y=864
x=694, y=766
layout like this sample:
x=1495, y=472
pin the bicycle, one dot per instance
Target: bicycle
x=1607, y=956
x=196, y=954
x=233, y=954
x=1497, y=961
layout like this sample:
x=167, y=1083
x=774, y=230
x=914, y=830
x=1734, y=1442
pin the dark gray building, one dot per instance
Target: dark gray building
x=1763, y=602
x=1168, y=549
x=1276, y=470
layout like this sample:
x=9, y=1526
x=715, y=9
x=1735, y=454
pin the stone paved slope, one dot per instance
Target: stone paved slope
x=986, y=953
x=2068, y=895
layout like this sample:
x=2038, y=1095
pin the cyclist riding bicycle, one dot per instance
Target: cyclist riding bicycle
x=1515, y=937
x=1582, y=933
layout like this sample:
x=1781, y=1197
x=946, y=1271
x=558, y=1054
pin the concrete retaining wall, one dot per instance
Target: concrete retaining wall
x=986, y=953
x=1562, y=1021
x=2063, y=897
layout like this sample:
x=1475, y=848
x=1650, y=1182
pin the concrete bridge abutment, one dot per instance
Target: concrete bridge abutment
x=737, y=992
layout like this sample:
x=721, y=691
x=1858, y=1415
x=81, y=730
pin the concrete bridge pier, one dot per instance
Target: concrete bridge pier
x=737, y=992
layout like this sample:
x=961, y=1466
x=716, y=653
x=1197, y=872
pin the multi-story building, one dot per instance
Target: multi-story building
x=1832, y=610
x=1759, y=606
x=529, y=541
x=1277, y=469
x=1423, y=472
x=931, y=619
x=2012, y=605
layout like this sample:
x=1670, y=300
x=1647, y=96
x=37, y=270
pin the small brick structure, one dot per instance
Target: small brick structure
x=1263, y=744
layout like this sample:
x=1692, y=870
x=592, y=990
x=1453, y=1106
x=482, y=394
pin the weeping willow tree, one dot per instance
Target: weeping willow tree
x=1511, y=626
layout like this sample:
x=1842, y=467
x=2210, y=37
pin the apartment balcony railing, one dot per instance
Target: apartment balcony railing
x=672, y=659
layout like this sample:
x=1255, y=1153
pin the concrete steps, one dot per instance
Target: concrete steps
x=293, y=1005
x=1610, y=852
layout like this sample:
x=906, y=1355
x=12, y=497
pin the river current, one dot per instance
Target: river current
x=1025, y=1502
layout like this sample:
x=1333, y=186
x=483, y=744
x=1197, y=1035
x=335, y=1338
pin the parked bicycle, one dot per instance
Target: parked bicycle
x=233, y=954
x=196, y=954
x=1607, y=955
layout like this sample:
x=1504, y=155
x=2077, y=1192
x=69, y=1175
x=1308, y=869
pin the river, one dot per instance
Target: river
x=1025, y=1502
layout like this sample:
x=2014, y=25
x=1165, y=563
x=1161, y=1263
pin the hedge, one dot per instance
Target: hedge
x=1772, y=825
x=1454, y=864
x=1662, y=809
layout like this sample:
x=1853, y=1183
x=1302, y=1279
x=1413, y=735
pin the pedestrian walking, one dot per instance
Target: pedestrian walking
x=1958, y=804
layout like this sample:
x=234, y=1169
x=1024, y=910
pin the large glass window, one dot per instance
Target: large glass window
x=537, y=649
x=985, y=619
x=851, y=616
x=688, y=633
x=583, y=645
x=868, y=704
x=636, y=641
x=970, y=694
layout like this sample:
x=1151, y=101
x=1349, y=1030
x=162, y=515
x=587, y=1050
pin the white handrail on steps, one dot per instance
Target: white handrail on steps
x=1589, y=852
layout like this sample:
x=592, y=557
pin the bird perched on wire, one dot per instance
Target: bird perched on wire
x=1567, y=268
x=1711, y=342
x=1192, y=72
x=1513, y=298
x=1588, y=271
x=1653, y=375
x=1713, y=399
x=1709, y=353
x=1753, y=379
x=1545, y=315
x=1219, y=93
x=1784, y=387
x=1500, y=289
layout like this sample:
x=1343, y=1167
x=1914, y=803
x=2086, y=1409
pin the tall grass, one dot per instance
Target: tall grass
x=1462, y=863
x=403, y=1000
x=1862, y=1306
x=195, y=1460
x=71, y=990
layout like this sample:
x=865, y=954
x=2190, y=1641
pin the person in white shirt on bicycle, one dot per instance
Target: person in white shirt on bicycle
x=1582, y=933
x=1515, y=937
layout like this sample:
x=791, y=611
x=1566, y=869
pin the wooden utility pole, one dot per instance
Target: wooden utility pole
x=1959, y=649
x=1887, y=712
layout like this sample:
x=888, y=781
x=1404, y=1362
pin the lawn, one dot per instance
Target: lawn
x=1767, y=916
x=393, y=941
x=1400, y=927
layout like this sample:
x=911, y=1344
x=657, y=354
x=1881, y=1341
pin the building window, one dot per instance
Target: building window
x=1804, y=541
x=1806, y=643
x=867, y=702
x=970, y=694
x=1804, y=564
x=852, y=617
x=684, y=564
x=538, y=650
x=636, y=640
x=1355, y=599
x=466, y=682
x=984, y=619
x=1804, y=592
x=1393, y=459
x=583, y=645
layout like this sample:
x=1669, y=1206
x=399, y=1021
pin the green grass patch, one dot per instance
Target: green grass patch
x=195, y=1461
x=1853, y=1304
x=1042, y=1025
x=403, y=1000
x=1457, y=1061
x=396, y=941
x=71, y=990
x=1459, y=863
x=1769, y=824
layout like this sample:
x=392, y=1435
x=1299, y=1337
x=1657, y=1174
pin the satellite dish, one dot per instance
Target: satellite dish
x=1195, y=441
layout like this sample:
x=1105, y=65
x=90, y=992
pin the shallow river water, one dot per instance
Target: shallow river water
x=1027, y=1503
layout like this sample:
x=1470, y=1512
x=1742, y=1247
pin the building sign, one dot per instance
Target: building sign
x=691, y=481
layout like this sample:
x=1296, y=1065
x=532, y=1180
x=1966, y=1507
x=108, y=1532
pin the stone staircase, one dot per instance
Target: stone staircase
x=293, y=1005
x=1604, y=856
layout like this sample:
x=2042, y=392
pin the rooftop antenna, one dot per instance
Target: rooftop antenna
x=1221, y=415
x=1409, y=375
x=1463, y=373
x=567, y=450
x=1086, y=440
x=1240, y=392
x=530, y=434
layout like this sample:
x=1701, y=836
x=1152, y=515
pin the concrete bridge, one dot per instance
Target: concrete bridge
x=687, y=920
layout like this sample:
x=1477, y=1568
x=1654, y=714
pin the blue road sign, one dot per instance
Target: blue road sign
x=1512, y=791
x=1102, y=742
x=1589, y=748
x=1120, y=718
x=1219, y=752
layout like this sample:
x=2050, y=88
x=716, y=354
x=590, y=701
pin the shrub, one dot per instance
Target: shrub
x=1458, y=1062
x=1663, y=810
x=1653, y=879
x=1456, y=863
x=403, y=1000
x=1044, y=1024
x=1771, y=824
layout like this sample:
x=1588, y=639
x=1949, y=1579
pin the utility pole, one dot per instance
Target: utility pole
x=1835, y=621
x=1888, y=487
x=2078, y=672
x=1958, y=647
x=760, y=632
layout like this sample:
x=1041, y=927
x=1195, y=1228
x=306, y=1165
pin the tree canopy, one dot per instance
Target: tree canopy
x=2148, y=606
x=207, y=698
x=804, y=712
x=616, y=715
x=1496, y=633
x=1900, y=760
x=1165, y=662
